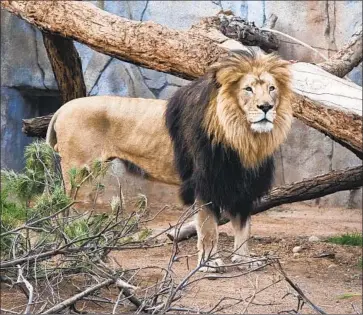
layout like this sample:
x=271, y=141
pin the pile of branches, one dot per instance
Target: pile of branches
x=60, y=259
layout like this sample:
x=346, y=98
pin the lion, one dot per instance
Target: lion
x=225, y=128
x=215, y=138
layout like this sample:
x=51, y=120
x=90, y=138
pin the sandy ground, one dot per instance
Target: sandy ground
x=334, y=282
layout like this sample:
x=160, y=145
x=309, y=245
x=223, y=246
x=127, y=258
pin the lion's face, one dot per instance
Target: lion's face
x=251, y=111
x=258, y=98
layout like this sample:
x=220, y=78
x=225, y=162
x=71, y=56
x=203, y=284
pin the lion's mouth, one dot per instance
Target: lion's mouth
x=263, y=120
x=262, y=126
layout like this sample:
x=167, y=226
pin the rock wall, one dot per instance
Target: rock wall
x=26, y=76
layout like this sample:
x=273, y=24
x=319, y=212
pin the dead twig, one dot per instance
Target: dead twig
x=66, y=303
x=298, y=290
x=30, y=293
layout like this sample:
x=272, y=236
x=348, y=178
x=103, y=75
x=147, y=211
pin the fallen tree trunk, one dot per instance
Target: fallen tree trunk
x=308, y=189
x=185, y=54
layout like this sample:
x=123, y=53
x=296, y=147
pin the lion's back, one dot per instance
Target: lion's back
x=92, y=126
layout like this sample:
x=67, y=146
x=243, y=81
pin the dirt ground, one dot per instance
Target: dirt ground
x=328, y=274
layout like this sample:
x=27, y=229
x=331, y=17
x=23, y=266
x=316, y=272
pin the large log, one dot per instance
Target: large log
x=307, y=189
x=183, y=53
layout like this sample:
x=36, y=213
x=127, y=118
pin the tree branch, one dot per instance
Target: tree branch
x=234, y=27
x=312, y=188
x=66, y=303
x=347, y=58
x=37, y=126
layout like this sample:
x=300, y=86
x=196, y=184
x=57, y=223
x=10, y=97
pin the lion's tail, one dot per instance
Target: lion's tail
x=51, y=137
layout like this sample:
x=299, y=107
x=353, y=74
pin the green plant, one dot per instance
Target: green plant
x=348, y=296
x=39, y=173
x=12, y=214
x=352, y=239
x=48, y=203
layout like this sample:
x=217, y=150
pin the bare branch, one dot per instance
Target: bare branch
x=66, y=303
x=30, y=293
x=348, y=57
x=298, y=290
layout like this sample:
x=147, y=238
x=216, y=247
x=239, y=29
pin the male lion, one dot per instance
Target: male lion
x=215, y=137
x=225, y=128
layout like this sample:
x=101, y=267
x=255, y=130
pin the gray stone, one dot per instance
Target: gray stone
x=180, y=14
x=85, y=53
x=153, y=79
x=174, y=80
x=167, y=92
x=297, y=249
x=356, y=74
x=123, y=79
x=133, y=10
x=14, y=107
x=95, y=66
x=356, y=197
x=306, y=153
x=314, y=238
x=19, y=60
x=342, y=158
x=279, y=169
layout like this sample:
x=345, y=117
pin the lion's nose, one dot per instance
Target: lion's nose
x=265, y=107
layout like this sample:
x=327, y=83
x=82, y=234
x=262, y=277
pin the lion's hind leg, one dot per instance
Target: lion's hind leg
x=207, y=230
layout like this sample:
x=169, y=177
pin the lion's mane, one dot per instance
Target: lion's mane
x=219, y=158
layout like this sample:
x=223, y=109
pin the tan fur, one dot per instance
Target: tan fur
x=207, y=230
x=227, y=115
x=106, y=127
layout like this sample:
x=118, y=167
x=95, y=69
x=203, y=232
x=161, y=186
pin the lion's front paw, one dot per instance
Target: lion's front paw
x=213, y=265
x=247, y=262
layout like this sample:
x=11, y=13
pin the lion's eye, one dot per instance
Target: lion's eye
x=272, y=88
x=248, y=88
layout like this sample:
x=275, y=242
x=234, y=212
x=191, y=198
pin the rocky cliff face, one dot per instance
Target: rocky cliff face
x=29, y=88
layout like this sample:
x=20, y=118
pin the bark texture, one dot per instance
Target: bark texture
x=66, y=65
x=238, y=29
x=346, y=58
x=148, y=44
x=36, y=127
x=312, y=188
